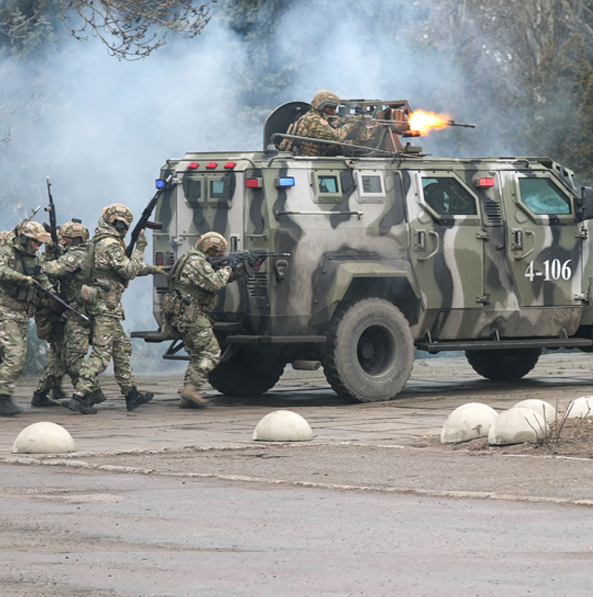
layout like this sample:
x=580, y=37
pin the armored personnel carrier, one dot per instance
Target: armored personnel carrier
x=389, y=250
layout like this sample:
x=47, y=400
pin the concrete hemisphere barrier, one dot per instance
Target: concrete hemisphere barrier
x=283, y=426
x=580, y=408
x=43, y=438
x=516, y=426
x=541, y=407
x=468, y=421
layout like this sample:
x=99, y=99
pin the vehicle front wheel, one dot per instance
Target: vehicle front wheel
x=247, y=373
x=369, y=352
x=503, y=365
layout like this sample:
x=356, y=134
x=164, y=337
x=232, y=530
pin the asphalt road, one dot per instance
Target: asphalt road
x=164, y=501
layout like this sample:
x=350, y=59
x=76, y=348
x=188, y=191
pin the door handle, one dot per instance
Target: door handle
x=437, y=245
x=518, y=235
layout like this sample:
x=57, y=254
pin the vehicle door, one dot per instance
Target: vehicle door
x=446, y=244
x=545, y=240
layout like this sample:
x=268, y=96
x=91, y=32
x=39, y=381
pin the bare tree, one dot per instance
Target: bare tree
x=131, y=29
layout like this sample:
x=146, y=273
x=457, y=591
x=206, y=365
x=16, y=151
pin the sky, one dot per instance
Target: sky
x=102, y=128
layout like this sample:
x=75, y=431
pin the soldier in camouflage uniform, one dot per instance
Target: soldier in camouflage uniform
x=50, y=325
x=20, y=269
x=76, y=331
x=320, y=122
x=194, y=284
x=108, y=271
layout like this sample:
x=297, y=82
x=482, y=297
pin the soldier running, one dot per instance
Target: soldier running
x=108, y=271
x=20, y=271
x=74, y=343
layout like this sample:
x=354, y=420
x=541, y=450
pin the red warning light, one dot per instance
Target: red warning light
x=193, y=166
x=211, y=165
x=486, y=182
x=230, y=165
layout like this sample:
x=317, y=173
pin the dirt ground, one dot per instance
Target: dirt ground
x=574, y=438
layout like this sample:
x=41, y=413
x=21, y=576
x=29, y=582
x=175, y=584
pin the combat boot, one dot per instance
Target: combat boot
x=96, y=396
x=7, y=407
x=191, y=398
x=40, y=399
x=134, y=398
x=57, y=393
x=79, y=404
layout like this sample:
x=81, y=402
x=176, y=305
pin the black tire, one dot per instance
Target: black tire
x=247, y=374
x=503, y=365
x=369, y=353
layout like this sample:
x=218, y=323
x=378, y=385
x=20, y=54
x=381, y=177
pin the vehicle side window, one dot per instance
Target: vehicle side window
x=371, y=184
x=542, y=197
x=447, y=197
x=328, y=184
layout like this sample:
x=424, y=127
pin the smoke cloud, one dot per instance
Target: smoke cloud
x=102, y=128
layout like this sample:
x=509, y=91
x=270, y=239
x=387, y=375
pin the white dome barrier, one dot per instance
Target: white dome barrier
x=283, y=426
x=580, y=408
x=43, y=438
x=467, y=422
x=541, y=407
x=518, y=425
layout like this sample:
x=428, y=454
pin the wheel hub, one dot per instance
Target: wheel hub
x=367, y=350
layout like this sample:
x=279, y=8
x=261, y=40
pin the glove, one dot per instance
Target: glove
x=28, y=280
x=233, y=263
x=157, y=269
x=141, y=242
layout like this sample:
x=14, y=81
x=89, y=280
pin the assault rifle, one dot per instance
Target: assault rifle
x=56, y=298
x=249, y=259
x=144, y=222
x=53, y=225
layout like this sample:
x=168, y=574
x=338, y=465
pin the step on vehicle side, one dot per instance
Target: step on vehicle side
x=389, y=250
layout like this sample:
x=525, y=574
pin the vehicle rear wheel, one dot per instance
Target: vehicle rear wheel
x=503, y=365
x=369, y=352
x=247, y=373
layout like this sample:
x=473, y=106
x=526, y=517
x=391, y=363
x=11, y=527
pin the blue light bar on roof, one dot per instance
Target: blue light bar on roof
x=159, y=184
x=285, y=181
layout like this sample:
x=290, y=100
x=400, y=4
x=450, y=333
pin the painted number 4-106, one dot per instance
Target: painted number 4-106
x=553, y=270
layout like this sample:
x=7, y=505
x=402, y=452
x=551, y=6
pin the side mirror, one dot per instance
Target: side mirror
x=585, y=204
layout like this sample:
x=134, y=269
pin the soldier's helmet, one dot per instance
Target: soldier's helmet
x=212, y=240
x=74, y=230
x=35, y=231
x=117, y=211
x=325, y=99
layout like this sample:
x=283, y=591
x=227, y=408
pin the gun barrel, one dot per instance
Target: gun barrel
x=59, y=300
x=463, y=124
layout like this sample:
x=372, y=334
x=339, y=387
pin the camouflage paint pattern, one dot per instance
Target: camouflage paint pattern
x=372, y=232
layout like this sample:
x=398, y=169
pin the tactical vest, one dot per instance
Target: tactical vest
x=92, y=273
x=201, y=296
x=19, y=296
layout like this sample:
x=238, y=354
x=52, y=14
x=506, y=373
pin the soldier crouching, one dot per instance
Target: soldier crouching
x=108, y=271
x=193, y=284
x=20, y=270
